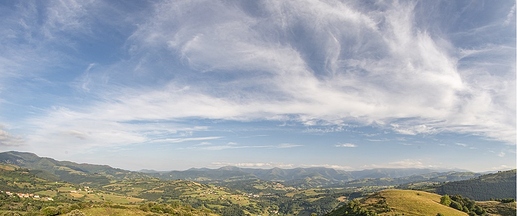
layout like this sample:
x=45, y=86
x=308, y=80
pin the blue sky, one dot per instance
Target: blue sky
x=170, y=85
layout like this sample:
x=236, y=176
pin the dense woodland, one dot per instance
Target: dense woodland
x=463, y=204
x=492, y=186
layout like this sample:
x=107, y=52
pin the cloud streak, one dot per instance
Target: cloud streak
x=347, y=145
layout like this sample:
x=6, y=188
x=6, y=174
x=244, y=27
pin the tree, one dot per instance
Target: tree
x=445, y=200
x=50, y=211
x=456, y=205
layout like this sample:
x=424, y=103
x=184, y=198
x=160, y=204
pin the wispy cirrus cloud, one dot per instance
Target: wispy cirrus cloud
x=412, y=74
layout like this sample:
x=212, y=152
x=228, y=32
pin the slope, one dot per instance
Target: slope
x=411, y=202
x=498, y=185
x=94, y=175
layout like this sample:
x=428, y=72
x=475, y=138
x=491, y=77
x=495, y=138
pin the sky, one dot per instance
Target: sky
x=171, y=85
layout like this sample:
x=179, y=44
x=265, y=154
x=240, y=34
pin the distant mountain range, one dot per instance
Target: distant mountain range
x=297, y=177
x=316, y=176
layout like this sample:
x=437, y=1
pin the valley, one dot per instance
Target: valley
x=32, y=185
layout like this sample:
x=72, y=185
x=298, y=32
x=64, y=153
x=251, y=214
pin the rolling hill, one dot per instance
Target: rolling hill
x=498, y=185
x=76, y=173
x=399, y=202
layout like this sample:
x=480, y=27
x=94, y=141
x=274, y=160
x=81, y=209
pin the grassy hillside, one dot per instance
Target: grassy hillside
x=411, y=202
x=402, y=202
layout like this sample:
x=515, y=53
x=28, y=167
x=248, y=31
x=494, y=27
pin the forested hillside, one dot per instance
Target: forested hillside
x=491, y=186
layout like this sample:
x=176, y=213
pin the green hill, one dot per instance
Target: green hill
x=412, y=203
x=398, y=202
x=498, y=185
x=23, y=192
x=93, y=175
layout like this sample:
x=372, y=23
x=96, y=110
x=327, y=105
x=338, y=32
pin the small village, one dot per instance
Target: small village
x=28, y=195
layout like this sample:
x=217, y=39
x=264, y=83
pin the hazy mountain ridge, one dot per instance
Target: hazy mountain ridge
x=318, y=176
x=66, y=170
x=298, y=177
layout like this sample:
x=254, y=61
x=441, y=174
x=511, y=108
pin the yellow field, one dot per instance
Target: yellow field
x=410, y=202
x=116, y=199
x=7, y=167
x=107, y=211
x=113, y=212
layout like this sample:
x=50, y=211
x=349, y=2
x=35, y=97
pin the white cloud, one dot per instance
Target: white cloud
x=501, y=154
x=269, y=165
x=255, y=165
x=407, y=163
x=503, y=167
x=462, y=144
x=315, y=62
x=9, y=140
x=204, y=143
x=68, y=16
x=180, y=140
x=347, y=145
x=510, y=17
x=411, y=129
x=374, y=66
x=288, y=145
x=331, y=166
x=232, y=145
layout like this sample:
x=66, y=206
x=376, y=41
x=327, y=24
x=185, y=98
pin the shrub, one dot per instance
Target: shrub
x=50, y=211
x=76, y=212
